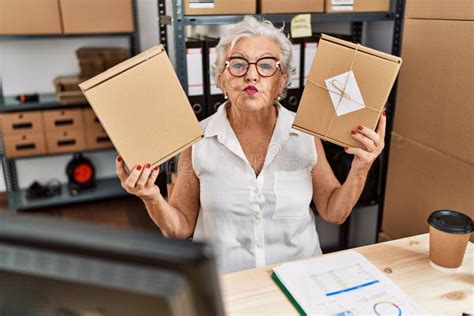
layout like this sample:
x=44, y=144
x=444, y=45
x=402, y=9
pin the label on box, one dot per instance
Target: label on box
x=195, y=75
x=212, y=60
x=345, y=93
x=201, y=4
x=342, y=5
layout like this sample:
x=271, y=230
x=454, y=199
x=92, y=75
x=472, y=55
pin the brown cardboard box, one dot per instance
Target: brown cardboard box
x=291, y=6
x=18, y=17
x=420, y=180
x=65, y=140
x=143, y=108
x=24, y=145
x=338, y=6
x=97, y=139
x=215, y=7
x=96, y=16
x=55, y=120
x=440, y=9
x=434, y=104
x=375, y=73
x=21, y=123
x=68, y=91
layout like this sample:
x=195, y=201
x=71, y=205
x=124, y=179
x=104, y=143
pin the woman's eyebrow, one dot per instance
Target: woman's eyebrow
x=238, y=54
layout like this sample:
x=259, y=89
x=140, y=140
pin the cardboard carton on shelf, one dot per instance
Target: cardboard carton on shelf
x=65, y=140
x=29, y=122
x=68, y=91
x=24, y=145
x=440, y=9
x=291, y=6
x=143, y=108
x=338, y=6
x=348, y=85
x=216, y=7
x=26, y=17
x=97, y=16
x=57, y=120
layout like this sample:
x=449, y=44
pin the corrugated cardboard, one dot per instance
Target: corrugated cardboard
x=96, y=16
x=375, y=73
x=24, y=145
x=440, y=9
x=434, y=104
x=143, y=108
x=291, y=6
x=19, y=17
x=65, y=140
x=57, y=120
x=21, y=123
x=214, y=7
x=338, y=6
x=420, y=180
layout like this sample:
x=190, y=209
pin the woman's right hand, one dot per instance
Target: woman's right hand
x=141, y=180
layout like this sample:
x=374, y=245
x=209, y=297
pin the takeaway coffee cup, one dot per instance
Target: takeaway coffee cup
x=449, y=234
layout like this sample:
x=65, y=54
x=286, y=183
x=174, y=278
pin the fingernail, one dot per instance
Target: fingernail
x=360, y=127
x=139, y=167
x=148, y=166
x=353, y=132
x=384, y=113
x=119, y=158
x=156, y=168
x=346, y=148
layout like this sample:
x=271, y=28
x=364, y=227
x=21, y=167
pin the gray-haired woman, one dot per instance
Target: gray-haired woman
x=246, y=187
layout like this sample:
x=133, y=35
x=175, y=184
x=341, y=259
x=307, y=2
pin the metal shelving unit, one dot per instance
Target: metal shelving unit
x=105, y=188
x=178, y=21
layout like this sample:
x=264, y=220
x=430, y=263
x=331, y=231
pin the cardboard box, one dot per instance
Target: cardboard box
x=97, y=16
x=216, y=7
x=339, y=6
x=291, y=6
x=433, y=103
x=421, y=180
x=24, y=145
x=68, y=91
x=55, y=120
x=97, y=139
x=375, y=73
x=26, y=17
x=64, y=141
x=21, y=123
x=440, y=9
x=143, y=108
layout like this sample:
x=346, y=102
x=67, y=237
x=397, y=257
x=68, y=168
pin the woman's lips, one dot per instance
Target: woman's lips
x=251, y=90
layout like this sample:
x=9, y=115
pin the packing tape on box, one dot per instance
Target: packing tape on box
x=341, y=91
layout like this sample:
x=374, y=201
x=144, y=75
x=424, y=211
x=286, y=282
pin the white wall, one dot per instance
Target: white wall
x=31, y=65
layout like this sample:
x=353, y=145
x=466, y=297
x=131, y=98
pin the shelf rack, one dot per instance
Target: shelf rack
x=105, y=188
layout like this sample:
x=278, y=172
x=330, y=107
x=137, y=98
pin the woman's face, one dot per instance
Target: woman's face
x=252, y=92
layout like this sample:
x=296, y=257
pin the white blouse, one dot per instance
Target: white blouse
x=255, y=221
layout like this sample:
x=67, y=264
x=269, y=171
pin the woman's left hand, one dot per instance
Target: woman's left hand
x=373, y=141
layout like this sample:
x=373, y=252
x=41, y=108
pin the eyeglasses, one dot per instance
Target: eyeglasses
x=239, y=66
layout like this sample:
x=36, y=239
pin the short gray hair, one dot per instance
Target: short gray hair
x=249, y=27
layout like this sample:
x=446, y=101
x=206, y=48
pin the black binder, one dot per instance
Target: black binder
x=196, y=83
x=295, y=89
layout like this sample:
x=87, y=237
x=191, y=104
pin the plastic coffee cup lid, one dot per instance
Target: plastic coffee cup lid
x=451, y=222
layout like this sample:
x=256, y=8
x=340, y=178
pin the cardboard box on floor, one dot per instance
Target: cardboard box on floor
x=440, y=9
x=434, y=104
x=337, y=6
x=215, y=7
x=421, y=180
x=20, y=17
x=143, y=108
x=375, y=73
x=291, y=6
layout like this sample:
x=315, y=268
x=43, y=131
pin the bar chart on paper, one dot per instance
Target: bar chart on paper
x=343, y=284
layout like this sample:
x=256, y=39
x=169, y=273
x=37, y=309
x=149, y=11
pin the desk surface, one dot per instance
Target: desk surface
x=405, y=261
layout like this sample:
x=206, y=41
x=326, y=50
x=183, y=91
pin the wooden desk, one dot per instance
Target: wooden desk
x=405, y=261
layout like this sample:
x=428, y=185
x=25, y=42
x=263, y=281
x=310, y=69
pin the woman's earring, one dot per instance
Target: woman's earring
x=279, y=98
x=225, y=95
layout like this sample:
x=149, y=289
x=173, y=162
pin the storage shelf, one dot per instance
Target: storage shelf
x=104, y=189
x=85, y=151
x=286, y=18
x=59, y=36
x=46, y=101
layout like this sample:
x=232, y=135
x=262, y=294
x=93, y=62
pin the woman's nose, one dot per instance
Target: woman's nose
x=252, y=74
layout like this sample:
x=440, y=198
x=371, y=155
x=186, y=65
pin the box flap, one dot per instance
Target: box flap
x=114, y=71
x=361, y=48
